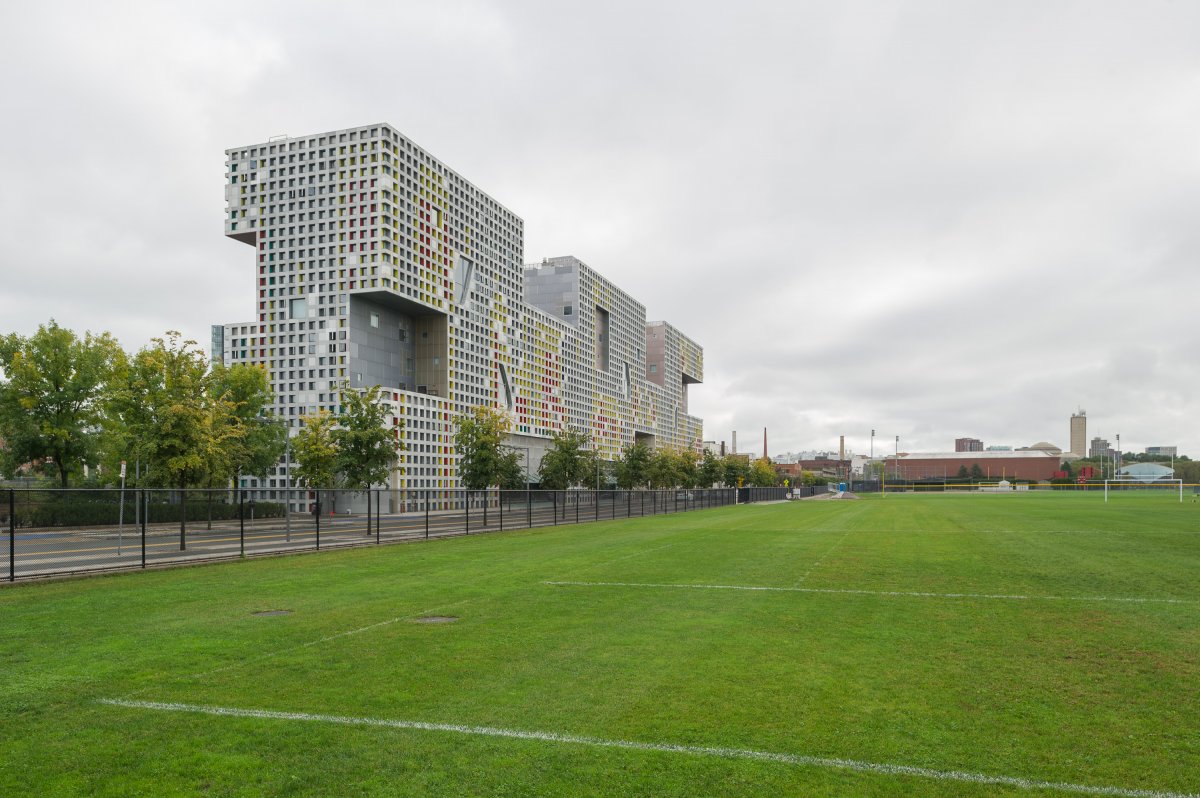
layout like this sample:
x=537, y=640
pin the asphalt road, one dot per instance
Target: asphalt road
x=47, y=551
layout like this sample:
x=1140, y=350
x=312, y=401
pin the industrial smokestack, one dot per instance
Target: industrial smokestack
x=841, y=447
x=722, y=448
x=735, y=441
x=764, y=443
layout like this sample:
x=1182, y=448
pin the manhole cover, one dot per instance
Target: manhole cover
x=270, y=613
x=435, y=619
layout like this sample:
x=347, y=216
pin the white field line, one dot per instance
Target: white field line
x=821, y=559
x=669, y=748
x=326, y=639
x=638, y=553
x=270, y=654
x=890, y=593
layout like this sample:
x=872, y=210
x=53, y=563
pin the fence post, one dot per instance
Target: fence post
x=427, y=513
x=554, y=499
x=577, y=508
x=528, y=510
x=317, y=515
x=378, y=514
x=12, y=535
x=242, y=522
x=500, y=506
x=467, y=505
x=596, y=496
x=145, y=512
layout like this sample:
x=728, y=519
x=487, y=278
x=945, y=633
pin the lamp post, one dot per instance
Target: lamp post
x=287, y=484
x=897, y=458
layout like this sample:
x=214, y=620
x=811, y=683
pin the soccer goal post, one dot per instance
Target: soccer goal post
x=1158, y=485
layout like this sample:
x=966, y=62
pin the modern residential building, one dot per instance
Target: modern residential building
x=376, y=264
x=968, y=445
x=1100, y=448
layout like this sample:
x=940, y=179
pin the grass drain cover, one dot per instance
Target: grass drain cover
x=436, y=619
x=271, y=613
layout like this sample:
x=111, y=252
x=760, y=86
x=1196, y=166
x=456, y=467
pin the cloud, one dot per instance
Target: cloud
x=934, y=219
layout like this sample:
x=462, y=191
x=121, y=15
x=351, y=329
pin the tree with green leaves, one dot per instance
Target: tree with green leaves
x=662, y=470
x=51, y=397
x=736, y=469
x=709, y=470
x=366, y=443
x=565, y=463
x=172, y=421
x=762, y=473
x=511, y=472
x=484, y=460
x=633, y=469
x=594, y=469
x=688, y=468
x=976, y=472
x=315, y=454
x=253, y=442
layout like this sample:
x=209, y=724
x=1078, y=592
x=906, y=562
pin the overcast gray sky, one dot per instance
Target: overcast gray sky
x=931, y=219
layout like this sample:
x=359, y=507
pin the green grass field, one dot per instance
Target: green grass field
x=940, y=645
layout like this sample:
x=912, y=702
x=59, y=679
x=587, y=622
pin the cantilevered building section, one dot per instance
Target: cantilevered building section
x=375, y=264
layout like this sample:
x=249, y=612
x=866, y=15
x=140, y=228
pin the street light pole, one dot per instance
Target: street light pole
x=287, y=482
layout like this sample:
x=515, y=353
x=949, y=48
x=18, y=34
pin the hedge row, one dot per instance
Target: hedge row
x=76, y=512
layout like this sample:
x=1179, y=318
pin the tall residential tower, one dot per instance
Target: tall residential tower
x=1079, y=446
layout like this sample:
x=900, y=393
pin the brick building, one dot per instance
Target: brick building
x=1034, y=465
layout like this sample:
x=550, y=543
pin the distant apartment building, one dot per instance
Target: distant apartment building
x=376, y=264
x=1100, y=448
x=1163, y=451
x=1079, y=433
x=968, y=445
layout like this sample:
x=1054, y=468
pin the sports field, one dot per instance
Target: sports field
x=944, y=645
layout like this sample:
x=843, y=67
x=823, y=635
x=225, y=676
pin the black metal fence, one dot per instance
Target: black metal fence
x=54, y=532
